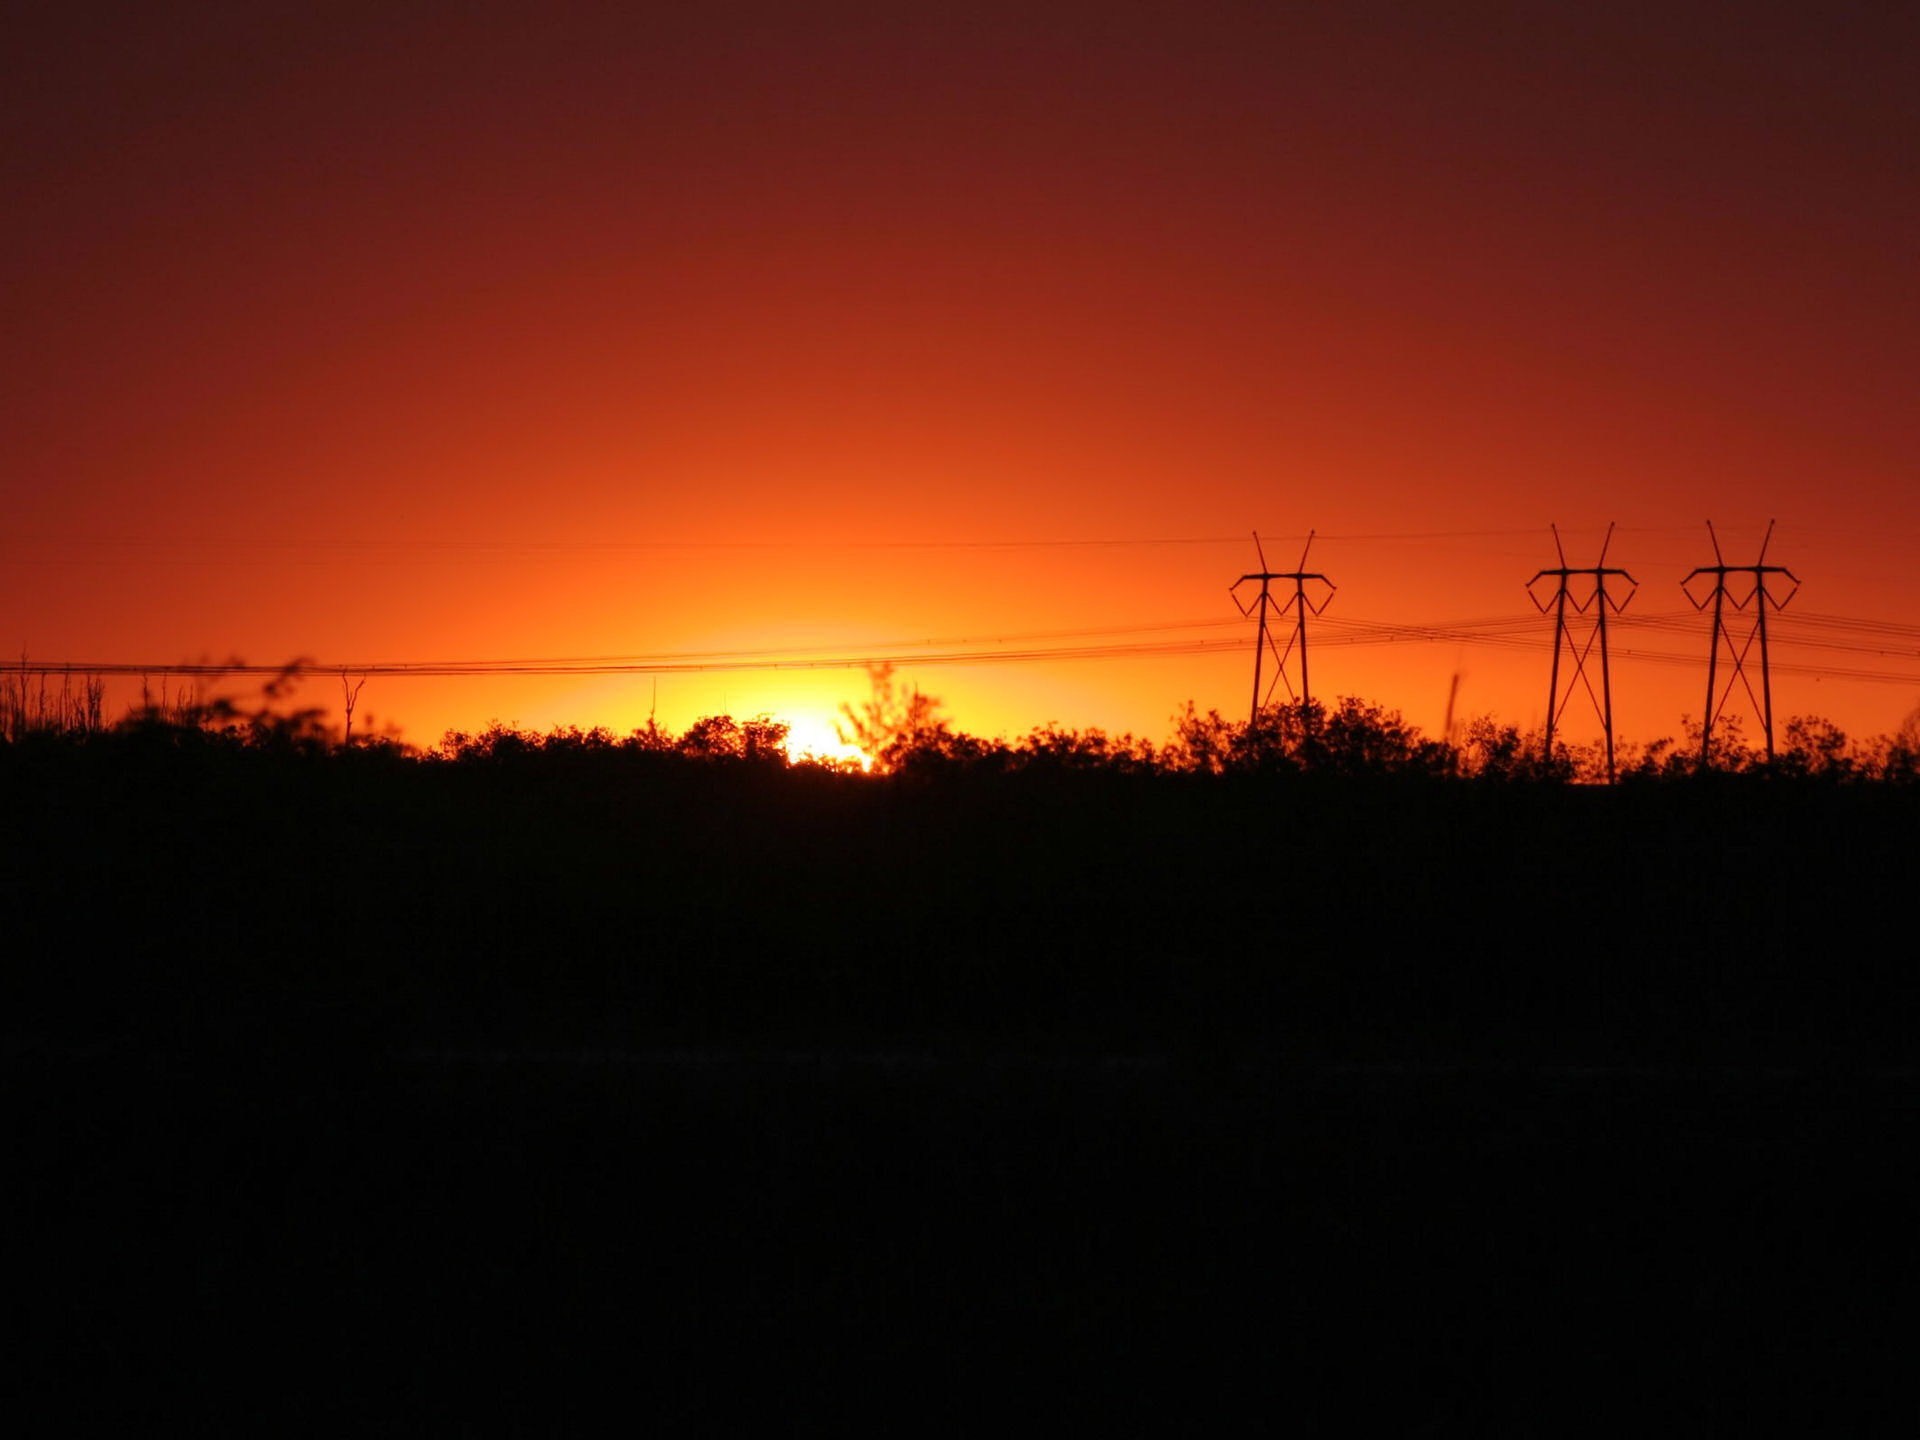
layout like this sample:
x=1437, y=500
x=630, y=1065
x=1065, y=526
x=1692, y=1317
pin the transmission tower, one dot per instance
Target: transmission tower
x=1583, y=591
x=1754, y=592
x=1265, y=605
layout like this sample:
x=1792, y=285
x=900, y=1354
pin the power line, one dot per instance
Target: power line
x=661, y=667
x=610, y=547
x=231, y=544
x=907, y=650
x=1514, y=632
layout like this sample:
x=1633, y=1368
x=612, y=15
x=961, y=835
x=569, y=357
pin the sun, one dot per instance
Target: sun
x=811, y=738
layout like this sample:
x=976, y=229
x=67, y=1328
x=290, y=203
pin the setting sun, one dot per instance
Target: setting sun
x=811, y=738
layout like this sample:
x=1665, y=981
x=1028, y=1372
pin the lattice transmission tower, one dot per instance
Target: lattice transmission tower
x=1264, y=606
x=1581, y=590
x=1749, y=588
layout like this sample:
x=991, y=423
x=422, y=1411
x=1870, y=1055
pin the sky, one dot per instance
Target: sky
x=379, y=334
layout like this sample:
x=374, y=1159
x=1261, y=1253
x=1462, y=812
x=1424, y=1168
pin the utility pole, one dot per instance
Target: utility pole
x=1757, y=594
x=1265, y=605
x=1597, y=601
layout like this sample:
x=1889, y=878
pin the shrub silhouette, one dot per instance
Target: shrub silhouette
x=1503, y=754
x=1355, y=739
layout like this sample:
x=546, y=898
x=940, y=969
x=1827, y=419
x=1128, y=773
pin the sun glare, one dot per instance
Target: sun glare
x=811, y=738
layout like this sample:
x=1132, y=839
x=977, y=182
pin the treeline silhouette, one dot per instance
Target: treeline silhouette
x=1067, y=1076
x=902, y=731
x=1070, y=888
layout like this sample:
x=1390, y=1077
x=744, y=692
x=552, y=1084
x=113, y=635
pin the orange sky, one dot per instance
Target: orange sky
x=422, y=333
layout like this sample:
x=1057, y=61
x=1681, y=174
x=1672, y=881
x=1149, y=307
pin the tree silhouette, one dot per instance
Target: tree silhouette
x=893, y=724
x=762, y=739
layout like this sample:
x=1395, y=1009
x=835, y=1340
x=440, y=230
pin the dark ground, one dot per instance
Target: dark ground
x=347, y=1096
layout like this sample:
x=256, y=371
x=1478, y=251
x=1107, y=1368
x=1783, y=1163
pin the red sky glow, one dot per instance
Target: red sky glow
x=418, y=333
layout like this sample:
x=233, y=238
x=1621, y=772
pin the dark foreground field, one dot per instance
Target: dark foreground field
x=348, y=1093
